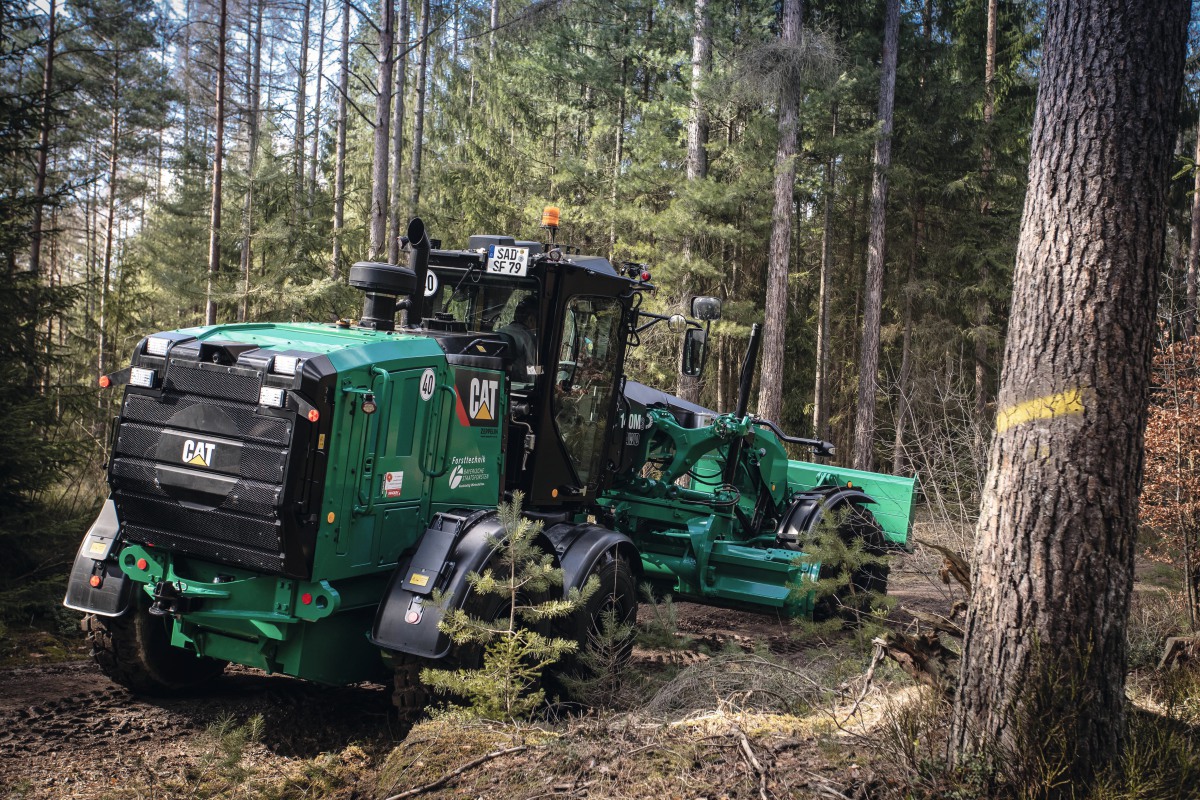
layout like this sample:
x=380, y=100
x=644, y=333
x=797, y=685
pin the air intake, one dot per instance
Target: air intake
x=383, y=283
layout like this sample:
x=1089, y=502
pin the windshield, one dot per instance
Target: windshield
x=484, y=302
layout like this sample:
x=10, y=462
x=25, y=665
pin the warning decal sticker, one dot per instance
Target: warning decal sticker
x=393, y=482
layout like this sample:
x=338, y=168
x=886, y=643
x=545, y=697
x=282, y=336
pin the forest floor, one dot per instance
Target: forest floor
x=66, y=731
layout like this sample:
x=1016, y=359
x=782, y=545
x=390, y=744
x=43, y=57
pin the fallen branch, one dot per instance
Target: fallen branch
x=953, y=565
x=753, y=762
x=880, y=654
x=454, y=773
x=924, y=658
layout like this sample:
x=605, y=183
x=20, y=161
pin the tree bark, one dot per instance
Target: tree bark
x=300, y=194
x=383, y=118
x=110, y=225
x=904, y=389
x=770, y=395
x=39, y=185
x=982, y=311
x=395, y=215
x=414, y=192
x=252, y=104
x=316, y=134
x=821, y=383
x=339, y=169
x=1193, y=265
x=864, y=421
x=214, y=236
x=1043, y=676
x=697, y=156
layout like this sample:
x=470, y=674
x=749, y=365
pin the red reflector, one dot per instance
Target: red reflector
x=306, y=598
x=94, y=581
x=412, y=618
x=314, y=415
x=645, y=276
x=105, y=381
x=142, y=564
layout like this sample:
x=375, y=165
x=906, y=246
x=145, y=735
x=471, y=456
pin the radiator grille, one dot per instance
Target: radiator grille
x=272, y=430
x=239, y=511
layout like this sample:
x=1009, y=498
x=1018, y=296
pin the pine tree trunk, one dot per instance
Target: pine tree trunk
x=821, y=384
x=110, y=225
x=697, y=156
x=39, y=185
x=214, y=237
x=494, y=21
x=864, y=419
x=339, y=168
x=299, y=194
x=770, y=396
x=383, y=118
x=982, y=312
x=316, y=134
x=414, y=192
x=1193, y=264
x=252, y=92
x=1043, y=669
x=619, y=143
x=904, y=389
x=396, y=216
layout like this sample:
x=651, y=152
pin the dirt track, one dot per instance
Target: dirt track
x=67, y=731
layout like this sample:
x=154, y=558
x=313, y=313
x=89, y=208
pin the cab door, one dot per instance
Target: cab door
x=582, y=398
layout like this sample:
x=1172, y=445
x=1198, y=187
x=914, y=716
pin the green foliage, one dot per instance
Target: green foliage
x=846, y=566
x=601, y=680
x=508, y=600
x=221, y=767
x=659, y=629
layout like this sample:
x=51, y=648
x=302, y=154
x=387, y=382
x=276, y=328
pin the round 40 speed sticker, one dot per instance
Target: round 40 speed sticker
x=428, y=383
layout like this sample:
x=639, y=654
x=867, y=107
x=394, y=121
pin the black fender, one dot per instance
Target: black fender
x=456, y=544
x=578, y=547
x=809, y=508
x=453, y=546
x=110, y=597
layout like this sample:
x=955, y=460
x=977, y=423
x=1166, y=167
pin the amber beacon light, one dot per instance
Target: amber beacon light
x=550, y=217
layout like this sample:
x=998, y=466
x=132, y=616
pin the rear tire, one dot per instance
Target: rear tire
x=409, y=695
x=135, y=651
x=868, y=580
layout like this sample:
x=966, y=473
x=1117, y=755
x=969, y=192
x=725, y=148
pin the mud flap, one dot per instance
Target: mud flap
x=453, y=546
x=97, y=585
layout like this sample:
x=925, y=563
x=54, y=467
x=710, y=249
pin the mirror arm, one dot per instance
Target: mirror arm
x=820, y=446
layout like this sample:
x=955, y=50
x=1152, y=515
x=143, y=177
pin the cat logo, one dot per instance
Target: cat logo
x=478, y=394
x=198, y=452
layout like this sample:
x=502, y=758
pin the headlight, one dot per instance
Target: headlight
x=271, y=396
x=141, y=377
x=285, y=365
x=157, y=346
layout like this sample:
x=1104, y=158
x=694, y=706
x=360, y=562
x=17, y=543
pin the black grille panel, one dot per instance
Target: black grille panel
x=248, y=497
x=218, y=551
x=184, y=378
x=257, y=462
x=143, y=408
x=152, y=512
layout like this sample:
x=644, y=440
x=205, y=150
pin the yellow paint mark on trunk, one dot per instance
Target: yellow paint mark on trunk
x=1064, y=404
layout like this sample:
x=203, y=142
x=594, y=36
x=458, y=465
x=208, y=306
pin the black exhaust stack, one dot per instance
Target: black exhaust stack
x=418, y=263
x=743, y=401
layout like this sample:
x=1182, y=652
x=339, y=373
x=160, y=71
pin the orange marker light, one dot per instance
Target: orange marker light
x=331, y=517
x=849, y=484
x=314, y=415
x=94, y=581
x=105, y=382
x=554, y=492
x=142, y=564
x=550, y=217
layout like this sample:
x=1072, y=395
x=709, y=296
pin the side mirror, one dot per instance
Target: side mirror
x=706, y=308
x=695, y=350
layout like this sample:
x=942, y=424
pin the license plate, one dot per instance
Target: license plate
x=506, y=260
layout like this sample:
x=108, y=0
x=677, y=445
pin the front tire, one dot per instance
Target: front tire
x=617, y=594
x=135, y=651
